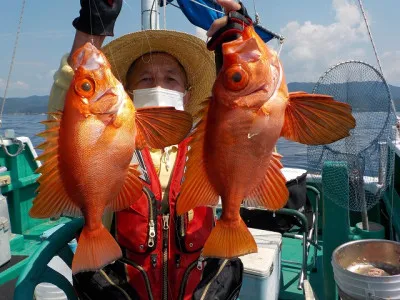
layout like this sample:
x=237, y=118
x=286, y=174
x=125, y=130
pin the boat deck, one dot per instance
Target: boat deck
x=292, y=251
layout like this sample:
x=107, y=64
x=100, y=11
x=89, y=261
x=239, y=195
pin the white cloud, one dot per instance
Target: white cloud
x=20, y=85
x=46, y=75
x=310, y=48
x=13, y=85
x=391, y=66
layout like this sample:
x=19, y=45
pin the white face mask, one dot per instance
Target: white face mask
x=158, y=96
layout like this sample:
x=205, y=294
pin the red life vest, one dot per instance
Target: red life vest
x=161, y=250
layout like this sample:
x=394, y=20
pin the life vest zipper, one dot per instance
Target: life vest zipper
x=143, y=272
x=165, y=255
x=182, y=229
x=152, y=234
x=186, y=277
x=152, y=224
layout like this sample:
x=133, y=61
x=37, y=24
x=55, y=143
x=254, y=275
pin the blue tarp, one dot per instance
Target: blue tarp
x=202, y=16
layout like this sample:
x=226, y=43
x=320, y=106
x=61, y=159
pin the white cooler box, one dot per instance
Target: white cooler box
x=262, y=270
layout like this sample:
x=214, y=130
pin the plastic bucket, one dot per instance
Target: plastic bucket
x=368, y=269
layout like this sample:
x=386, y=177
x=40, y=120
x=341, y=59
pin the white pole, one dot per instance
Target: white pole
x=150, y=14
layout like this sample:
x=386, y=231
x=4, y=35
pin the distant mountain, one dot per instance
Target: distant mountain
x=27, y=105
x=38, y=104
x=361, y=88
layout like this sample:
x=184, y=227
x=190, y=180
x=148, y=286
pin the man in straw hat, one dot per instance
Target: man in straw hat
x=161, y=251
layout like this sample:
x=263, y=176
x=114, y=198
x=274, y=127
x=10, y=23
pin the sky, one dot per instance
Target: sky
x=318, y=34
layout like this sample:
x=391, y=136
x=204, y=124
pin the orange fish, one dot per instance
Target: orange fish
x=231, y=150
x=88, y=150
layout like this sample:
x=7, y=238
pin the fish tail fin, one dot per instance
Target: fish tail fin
x=96, y=248
x=229, y=240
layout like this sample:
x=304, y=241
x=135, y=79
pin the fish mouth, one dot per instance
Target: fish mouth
x=105, y=103
x=88, y=57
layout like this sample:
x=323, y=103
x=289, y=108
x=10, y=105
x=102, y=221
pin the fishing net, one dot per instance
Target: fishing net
x=370, y=164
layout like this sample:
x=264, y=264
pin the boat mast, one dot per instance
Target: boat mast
x=150, y=14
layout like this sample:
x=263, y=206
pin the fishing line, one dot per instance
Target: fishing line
x=126, y=3
x=21, y=145
x=165, y=15
x=201, y=4
x=174, y=5
x=90, y=20
x=373, y=46
x=151, y=14
x=111, y=52
x=391, y=101
x=12, y=62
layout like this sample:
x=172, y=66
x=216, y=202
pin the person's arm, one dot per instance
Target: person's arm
x=96, y=21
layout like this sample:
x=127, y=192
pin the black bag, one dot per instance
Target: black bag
x=107, y=283
x=222, y=280
x=298, y=200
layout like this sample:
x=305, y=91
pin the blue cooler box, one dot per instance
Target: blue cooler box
x=262, y=270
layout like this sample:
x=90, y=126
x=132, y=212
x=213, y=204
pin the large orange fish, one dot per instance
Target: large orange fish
x=88, y=150
x=231, y=151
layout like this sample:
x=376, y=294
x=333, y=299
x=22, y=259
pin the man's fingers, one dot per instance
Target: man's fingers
x=217, y=24
x=229, y=5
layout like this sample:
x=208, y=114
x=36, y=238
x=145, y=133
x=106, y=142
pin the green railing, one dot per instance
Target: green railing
x=36, y=269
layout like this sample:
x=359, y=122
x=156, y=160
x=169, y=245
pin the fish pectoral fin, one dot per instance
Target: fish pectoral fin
x=196, y=189
x=130, y=192
x=159, y=127
x=272, y=193
x=314, y=119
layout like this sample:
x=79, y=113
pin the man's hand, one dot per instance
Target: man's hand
x=96, y=21
x=97, y=17
x=228, y=5
x=227, y=28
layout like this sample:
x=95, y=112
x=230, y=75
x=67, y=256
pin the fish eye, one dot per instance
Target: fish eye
x=236, y=78
x=85, y=87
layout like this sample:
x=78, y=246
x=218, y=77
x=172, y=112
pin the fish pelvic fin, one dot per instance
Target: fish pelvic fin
x=131, y=190
x=96, y=249
x=196, y=189
x=314, y=119
x=229, y=239
x=159, y=127
x=52, y=200
x=272, y=193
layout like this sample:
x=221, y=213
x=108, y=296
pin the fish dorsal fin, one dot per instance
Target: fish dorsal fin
x=159, y=127
x=130, y=192
x=272, y=193
x=196, y=189
x=314, y=119
x=52, y=199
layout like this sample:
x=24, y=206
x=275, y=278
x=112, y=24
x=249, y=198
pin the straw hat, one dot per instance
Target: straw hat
x=189, y=50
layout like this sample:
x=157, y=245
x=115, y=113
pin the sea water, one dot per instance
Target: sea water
x=294, y=154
